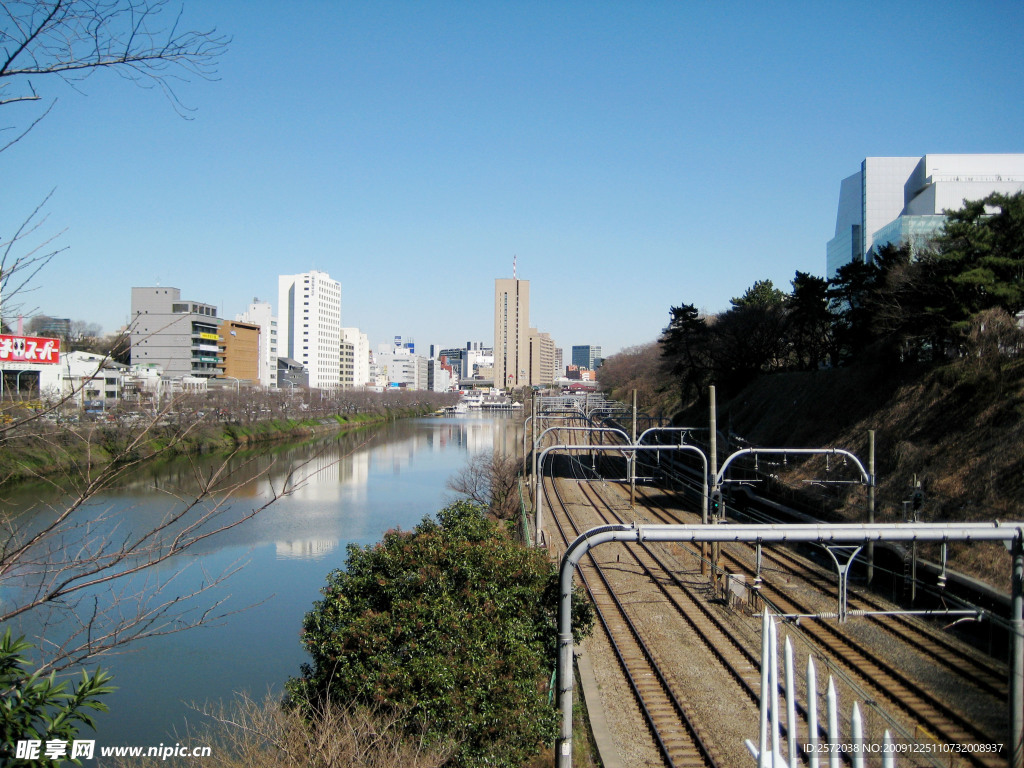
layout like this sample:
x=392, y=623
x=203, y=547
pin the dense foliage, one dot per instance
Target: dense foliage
x=453, y=622
x=957, y=296
x=38, y=708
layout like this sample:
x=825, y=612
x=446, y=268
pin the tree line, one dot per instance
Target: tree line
x=958, y=295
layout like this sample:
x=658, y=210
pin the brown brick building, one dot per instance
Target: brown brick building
x=239, y=351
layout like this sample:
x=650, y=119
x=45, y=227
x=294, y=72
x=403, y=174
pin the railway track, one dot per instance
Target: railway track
x=679, y=741
x=955, y=658
x=882, y=680
x=878, y=679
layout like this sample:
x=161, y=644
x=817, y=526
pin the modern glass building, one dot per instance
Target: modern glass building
x=586, y=356
x=903, y=199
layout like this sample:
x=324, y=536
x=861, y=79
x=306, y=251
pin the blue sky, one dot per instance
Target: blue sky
x=631, y=155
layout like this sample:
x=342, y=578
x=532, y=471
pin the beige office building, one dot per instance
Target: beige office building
x=511, y=333
x=542, y=358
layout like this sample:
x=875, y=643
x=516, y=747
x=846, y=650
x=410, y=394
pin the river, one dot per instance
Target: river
x=353, y=489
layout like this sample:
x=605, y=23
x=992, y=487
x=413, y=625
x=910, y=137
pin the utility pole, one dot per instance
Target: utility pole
x=871, y=503
x=713, y=451
x=632, y=460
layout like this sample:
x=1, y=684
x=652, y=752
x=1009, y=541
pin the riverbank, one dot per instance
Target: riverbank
x=39, y=448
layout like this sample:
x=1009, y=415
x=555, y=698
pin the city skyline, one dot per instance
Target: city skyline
x=631, y=158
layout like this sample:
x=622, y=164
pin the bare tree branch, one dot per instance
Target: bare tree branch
x=71, y=39
x=491, y=480
x=78, y=573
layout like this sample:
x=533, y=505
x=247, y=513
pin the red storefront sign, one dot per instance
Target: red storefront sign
x=28, y=349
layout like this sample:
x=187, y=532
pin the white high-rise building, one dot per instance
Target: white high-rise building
x=309, y=325
x=261, y=313
x=360, y=356
x=902, y=199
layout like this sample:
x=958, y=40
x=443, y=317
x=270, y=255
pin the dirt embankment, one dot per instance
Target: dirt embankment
x=956, y=429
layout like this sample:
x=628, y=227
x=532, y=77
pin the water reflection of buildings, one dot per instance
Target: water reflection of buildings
x=472, y=434
x=477, y=435
x=318, y=478
x=309, y=549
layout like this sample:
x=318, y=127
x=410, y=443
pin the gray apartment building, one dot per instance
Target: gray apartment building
x=179, y=335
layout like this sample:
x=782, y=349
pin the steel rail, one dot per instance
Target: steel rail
x=663, y=746
x=982, y=672
x=1011, y=534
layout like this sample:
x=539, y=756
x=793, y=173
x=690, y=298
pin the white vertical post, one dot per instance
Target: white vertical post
x=791, y=724
x=812, y=711
x=765, y=689
x=857, y=737
x=773, y=648
x=833, y=725
x=888, y=758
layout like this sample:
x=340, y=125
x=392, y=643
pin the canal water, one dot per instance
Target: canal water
x=346, y=490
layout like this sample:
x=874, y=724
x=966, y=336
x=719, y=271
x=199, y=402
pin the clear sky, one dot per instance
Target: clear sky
x=631, y=155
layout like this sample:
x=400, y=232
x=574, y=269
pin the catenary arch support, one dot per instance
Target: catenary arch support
x=605, y=449
x=540, y=440
x=1011, y=534
x=866, y=479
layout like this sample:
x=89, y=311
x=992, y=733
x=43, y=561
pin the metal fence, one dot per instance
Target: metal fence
x=780, y=746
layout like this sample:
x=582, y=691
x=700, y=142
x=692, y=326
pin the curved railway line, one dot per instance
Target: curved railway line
x=684, y=739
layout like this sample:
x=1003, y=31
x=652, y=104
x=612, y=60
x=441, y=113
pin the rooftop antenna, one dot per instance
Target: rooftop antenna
x=513, y=267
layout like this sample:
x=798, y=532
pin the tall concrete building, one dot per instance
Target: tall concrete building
x=309, y=325
x=511, y=332
x=902, y=199
x=542, y=358
x=180, y=336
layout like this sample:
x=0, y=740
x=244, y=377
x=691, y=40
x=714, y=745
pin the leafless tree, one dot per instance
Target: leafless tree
x=491, y=480
x=22, y=255
x=639, y=368
x=142, y=40
x=89, y=577
x=251, y=734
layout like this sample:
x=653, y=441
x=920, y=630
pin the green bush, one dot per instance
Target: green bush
x=37, y=707
x=453, y=622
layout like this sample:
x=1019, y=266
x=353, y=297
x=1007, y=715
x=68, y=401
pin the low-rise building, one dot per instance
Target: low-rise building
x=179, y=335
x=291, y=374
x=401, y=368
x=239, y=351
x=85, y=380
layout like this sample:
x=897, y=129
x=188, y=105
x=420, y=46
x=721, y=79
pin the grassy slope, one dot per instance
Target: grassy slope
x=48, y=449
